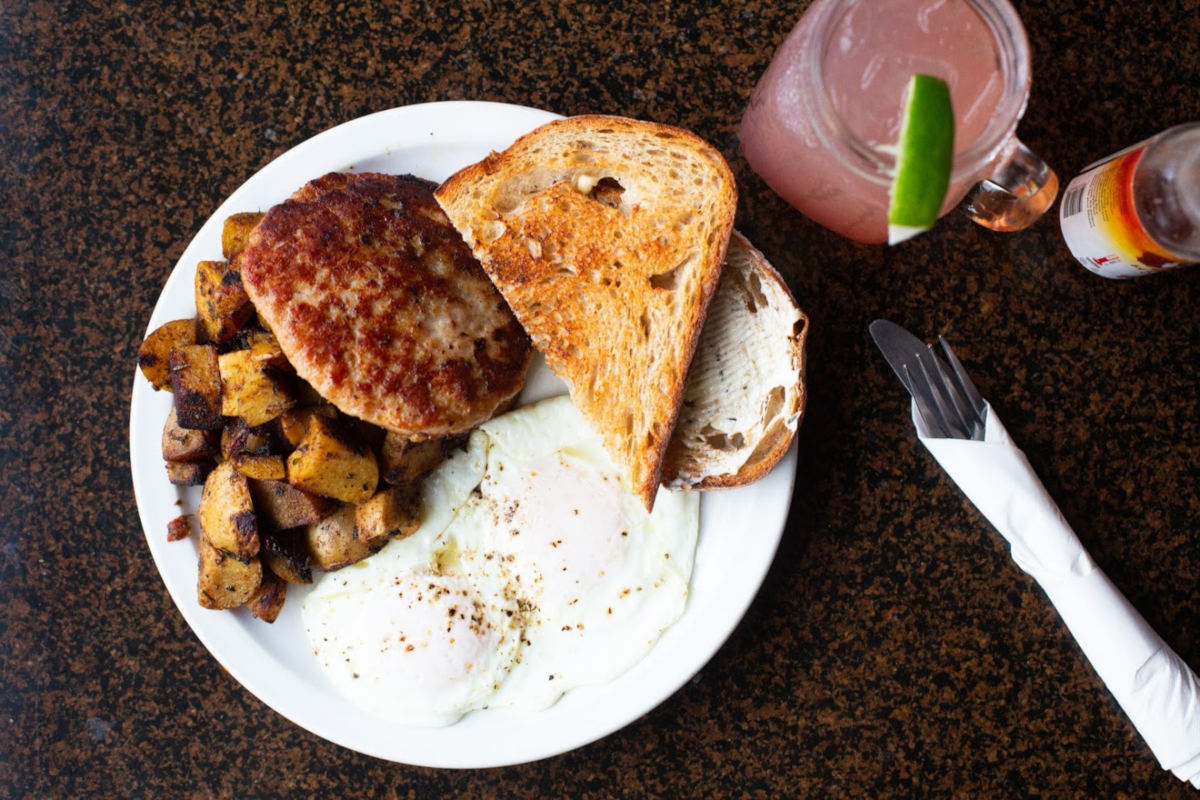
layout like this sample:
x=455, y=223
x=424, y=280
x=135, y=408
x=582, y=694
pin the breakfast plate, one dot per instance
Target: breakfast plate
x=739, y=533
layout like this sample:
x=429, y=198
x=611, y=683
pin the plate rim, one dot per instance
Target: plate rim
x=778, y=487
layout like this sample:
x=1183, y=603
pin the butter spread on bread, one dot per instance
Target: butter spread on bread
x=745, y=389
x=606, y=236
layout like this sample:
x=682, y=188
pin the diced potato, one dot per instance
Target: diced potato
x=224, y=581
x=285, y=554
x=187, y=444
x=329, y=463
x=284, y=506
x=196, y=381
x=403, y=460
x=333, y=542
x=238, y=438
x=250, y=390
x=261, y=468
x=222, y=305
x=155, y=352
x=187, y=473
x=267, y=600
x=392, y=513
x=226, y=513
x=293, y=423
x=264, y=349
x=236, y=232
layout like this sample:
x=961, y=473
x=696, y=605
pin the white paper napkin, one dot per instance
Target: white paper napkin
x=1154, y=686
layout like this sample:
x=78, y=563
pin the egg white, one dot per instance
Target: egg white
x=598, y=578
x=399, y=635
x=535, y=571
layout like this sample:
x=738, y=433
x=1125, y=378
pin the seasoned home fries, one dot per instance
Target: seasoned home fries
x=290, y=481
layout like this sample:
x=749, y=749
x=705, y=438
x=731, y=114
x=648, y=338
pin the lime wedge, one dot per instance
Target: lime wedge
x=924, y=156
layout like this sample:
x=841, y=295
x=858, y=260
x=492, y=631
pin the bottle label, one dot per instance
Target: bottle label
x=1102, y=228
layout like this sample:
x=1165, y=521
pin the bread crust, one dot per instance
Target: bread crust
x=606, y=235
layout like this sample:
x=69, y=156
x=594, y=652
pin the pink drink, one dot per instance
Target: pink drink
x=822, y=119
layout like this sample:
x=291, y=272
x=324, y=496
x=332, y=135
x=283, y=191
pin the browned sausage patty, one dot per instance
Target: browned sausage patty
x=379, y=304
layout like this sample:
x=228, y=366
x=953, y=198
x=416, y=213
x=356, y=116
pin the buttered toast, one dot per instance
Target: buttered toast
x=606, y=236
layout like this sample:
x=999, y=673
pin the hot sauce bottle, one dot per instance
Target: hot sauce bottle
x=1137, y=212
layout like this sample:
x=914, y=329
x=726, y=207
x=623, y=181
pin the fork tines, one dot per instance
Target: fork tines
x=956, y=407
x=964, y=380
x=925, y=398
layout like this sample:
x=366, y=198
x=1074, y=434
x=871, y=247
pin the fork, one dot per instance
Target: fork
x=946, y=397
x=1155, y=687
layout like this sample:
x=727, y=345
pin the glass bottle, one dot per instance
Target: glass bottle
x=1137, y=212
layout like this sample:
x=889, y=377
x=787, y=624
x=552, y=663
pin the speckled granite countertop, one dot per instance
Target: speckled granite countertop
x=894, y=650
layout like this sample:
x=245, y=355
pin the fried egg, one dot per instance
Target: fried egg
x=536, y=570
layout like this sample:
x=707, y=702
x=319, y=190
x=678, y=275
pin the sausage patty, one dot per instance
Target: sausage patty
x=379, y=304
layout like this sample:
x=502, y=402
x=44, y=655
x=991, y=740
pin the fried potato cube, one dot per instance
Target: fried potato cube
x=222, y=305
x=261, y=468
x=187, y=473
x=293, y=423
x=403, y=460
x=285, y=554
x=329, y=463
x=283, y=506
x=267, y=600
x=252, y=389
x=334, y=542
x=187, y=444
x=226, y=513
x=238, y=438
x=264, y=349
x=235, y=233
x=224, y=581
x=155, y=353
x=196, y=382
x=392, y=513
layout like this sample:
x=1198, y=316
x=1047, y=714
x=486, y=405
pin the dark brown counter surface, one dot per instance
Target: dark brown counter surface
x=894, y=649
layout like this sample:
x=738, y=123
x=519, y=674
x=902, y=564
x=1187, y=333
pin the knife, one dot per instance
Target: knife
x=910, y=359
x=1157, y=690
x=899, y=347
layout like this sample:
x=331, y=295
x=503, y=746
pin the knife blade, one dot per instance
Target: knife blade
x=899, y=347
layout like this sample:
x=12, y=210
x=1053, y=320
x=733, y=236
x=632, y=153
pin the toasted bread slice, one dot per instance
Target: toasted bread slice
x=606, y=236
x=745, y=391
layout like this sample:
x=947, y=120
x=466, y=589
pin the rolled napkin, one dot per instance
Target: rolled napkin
x=1157, y=690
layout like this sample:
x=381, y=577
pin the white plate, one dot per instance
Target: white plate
x=739, y=533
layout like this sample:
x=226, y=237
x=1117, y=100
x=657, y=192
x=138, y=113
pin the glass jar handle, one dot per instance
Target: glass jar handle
x=1015, y=195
